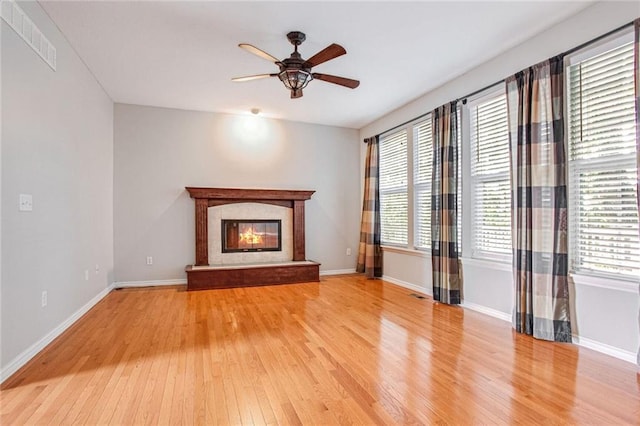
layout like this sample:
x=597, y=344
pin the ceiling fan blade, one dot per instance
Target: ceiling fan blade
x=295, y=94
x=253, y=77
x=259, y=52
x=342, y=81
x=328, y=53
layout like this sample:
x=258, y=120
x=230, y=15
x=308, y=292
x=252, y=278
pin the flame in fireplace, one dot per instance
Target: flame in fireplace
x=249, y=237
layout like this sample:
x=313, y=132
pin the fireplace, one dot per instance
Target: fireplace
x=274, y=260
x=242, y=235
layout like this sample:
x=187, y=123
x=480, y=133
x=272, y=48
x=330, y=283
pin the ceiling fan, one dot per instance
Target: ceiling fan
x=295, y=72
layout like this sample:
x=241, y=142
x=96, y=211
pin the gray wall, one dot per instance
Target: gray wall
x=605, y=312
x=159, y=151
x=57, y=144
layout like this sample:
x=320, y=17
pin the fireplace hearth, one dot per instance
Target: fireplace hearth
x=254, y=235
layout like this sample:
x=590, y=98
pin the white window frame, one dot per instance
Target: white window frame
x=400, y=188
x=413, y=218
x=606, y=163
x=469, y=138
x=419, y=187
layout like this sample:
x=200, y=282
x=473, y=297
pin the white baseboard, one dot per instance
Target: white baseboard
x=337, y=272
x=487, y=311
x=577, y=340
x=605, y=349
x=410, y=286
x=154, y=283
x=580, y=341
x=19, y=361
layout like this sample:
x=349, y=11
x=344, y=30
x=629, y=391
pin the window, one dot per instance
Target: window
x=422, y=181
x=405, y=185
x=459, y=190
x=394, y=204
x=602, y=164
x=490, y=178
x=423, y=168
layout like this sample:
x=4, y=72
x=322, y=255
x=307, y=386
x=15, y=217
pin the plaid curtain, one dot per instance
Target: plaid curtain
x=369, y=250
x=539, y=220
x=636, y=53
x=447, y=278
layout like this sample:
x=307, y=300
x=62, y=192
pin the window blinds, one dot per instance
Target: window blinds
x=603, y=170
x=393, y=188
x=423, y=169
x=491, y=189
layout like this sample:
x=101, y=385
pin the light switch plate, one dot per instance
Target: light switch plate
x=26, y=203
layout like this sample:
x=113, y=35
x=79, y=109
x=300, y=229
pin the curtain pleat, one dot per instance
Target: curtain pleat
x=539, y=221
x=369, y=250
x=446, y=271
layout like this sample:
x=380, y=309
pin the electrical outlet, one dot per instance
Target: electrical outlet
x=44, y=299
x=149, y=260
x=86, y=275
x=97, y=269
x=25, y=203
x=349, y=251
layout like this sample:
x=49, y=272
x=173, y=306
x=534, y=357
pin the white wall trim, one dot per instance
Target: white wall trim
x=604, y=348
x=28, y=354
x=484, y=263
x=153, y=283
x=407, y=251
x=602, y=282
x=408, y=285
x=337, y=272
x=578, y=279
x=578, y=340
x=487, y=311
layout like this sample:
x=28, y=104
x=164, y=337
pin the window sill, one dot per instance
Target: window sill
x=466, y=261
x=602, y=282
x=407, y=251
x=485, y=263
x=577, y=279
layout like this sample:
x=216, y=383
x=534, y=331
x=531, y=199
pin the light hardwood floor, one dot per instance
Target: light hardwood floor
x=343, y=351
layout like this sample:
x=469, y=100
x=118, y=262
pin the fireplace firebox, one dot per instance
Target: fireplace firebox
x=252, y=235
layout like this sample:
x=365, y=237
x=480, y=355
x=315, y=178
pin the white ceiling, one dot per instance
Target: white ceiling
x=183, y=54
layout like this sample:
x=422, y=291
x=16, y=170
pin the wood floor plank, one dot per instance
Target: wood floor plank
x=343, y=351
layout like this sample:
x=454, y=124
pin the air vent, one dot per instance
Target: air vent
x=417, y=296
x=20, y=22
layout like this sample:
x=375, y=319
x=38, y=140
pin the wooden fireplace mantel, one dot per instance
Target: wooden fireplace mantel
x=209, y=197
x=242, y=195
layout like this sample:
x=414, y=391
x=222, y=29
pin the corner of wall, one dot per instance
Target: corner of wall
x=10, y=368
x=66, y=162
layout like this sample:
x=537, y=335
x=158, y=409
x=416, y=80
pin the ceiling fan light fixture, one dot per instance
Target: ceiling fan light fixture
x=295, y=79
x=295, y=71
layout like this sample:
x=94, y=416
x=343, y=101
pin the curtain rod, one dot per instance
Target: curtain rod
x=568, y=52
